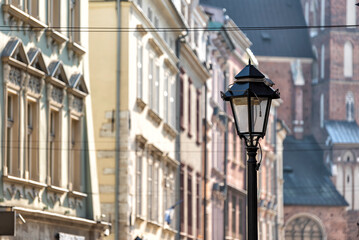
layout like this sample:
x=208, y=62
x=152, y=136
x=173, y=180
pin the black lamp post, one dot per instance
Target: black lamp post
x=250, y=97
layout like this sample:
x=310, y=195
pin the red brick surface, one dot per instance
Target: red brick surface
x=332, y=218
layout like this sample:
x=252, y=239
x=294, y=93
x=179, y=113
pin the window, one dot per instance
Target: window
x=241, y=216
x=32, y=157
x=315, y=66
x=150, y=188
x=198, y=205
x=153, y=188
x=54, y=14
x=189, y=106
x=75, y=155
x=322, y=63
x=139, y=2
x=234, y=215
x=182, y=198
x=321, y=110
x=189, y=203
x=156, y=191
x=169, y=194
x=149, y=14
x=156, y=22
x=166, y=199
x=150, y=81
x=198, y=117
x=351, y=12
x=306, y=12
x=12, y=135
x=349, y=105
x=165, y=97
x=173, y=103
x=234, y=135
x=348, y=59
x=33, y=8
x=16, y=3
x=157, y=90
x=182, y=103
x=75, y=20
x=54, y=166
x=303, y=228
x=139, y=182
x=139, y=70
x=322, y=14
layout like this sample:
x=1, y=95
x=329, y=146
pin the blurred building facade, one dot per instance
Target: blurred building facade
x=335, y=88
x=48, y=169
x=136, y=109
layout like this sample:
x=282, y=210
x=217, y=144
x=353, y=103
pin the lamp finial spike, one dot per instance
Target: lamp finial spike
x=249, y=62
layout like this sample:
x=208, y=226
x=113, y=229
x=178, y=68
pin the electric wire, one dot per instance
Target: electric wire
x=170, y=29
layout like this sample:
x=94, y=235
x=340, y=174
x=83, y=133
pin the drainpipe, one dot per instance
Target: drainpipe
x=180, y=39
x=117, y=124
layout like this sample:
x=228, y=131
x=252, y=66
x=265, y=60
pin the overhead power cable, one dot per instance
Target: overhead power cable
x=164, y=29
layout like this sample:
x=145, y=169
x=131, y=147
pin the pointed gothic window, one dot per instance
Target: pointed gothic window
x=322, y=110
x=303, y=228
x=351, y=12
x=348, y=59
x=322, y=14
x=315, y=66
x=322, y=62
x=349, y=106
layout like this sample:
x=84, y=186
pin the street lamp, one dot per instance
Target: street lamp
x=250, y=97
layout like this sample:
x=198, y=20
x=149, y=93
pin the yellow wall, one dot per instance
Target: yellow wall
x=103, y=66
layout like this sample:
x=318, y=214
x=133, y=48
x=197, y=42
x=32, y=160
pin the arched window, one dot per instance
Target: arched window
x=348, y=157
x=351, y=14
x=307, y=12
x=322, y=14
x=315, y=66
x=349, y=106
x=303, y=227
x=348, y=59
x=321, y=111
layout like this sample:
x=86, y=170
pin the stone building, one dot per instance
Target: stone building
x=48, y=166
x=192, y=80
x=335, y=97
x=135, y=76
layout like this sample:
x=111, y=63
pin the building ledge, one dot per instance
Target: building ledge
x=56, y=36
x=140, y=104
x=155, y=223
x=154, y=117
x=169, y=130
x=76, y=194
x=76, y=48
x=24, y=17
x=36, y=214
x=22, y=181
x=56, y=189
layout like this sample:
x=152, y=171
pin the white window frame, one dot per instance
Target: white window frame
x=348, y=59
x=350, y=12
x=350, y=107
x=139, y=69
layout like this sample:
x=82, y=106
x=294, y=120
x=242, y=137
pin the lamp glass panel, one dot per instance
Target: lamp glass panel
x=240, y=110
x=258, y=113
x=259, y=107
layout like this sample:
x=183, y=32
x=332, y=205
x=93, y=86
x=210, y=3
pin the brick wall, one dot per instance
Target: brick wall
x=281, y=74
x=332, y=218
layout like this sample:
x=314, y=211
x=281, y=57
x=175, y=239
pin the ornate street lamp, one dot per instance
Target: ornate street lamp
x=250, y=97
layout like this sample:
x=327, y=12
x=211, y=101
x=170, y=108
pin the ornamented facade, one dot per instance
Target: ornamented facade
x=47, y=165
